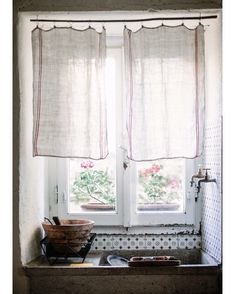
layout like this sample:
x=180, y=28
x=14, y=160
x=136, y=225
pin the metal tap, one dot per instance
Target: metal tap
x=199, y=175
x=205, y=180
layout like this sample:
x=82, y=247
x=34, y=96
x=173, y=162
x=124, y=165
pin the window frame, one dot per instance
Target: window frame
x=113, y=218
x=125, y=214
x=152, y=218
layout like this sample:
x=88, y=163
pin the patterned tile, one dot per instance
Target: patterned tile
x=128, y=242
x=150, y=241
x=212, y=198
x=161, y=242
x=102, y=242
x=189, y=241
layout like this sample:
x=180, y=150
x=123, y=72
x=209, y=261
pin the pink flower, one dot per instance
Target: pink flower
x=87, y=164
x=156, y=168
x=145, y=173
x=83, y=165
x=90, y=164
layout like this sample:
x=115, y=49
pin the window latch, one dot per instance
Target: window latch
x=125, y=165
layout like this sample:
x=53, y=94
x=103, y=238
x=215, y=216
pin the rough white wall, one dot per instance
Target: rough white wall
x=31, y=181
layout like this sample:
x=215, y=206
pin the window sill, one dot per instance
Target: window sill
x=159, y=229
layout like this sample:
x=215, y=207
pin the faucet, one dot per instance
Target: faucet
x=205, y=180
x=199, y=175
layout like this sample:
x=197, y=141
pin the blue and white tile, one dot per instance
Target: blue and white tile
x=102, y=242
x=189, y=241
x=128, y=242
x=212, y=198
x=161, y=242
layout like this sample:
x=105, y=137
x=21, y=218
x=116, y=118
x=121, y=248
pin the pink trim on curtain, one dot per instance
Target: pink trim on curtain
x=39, y=94
x=196, y=100
x=101, y=118
x=131, y=98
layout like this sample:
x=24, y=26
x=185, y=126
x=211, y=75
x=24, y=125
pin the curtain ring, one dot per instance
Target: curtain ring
x=182, y=22
x=162, y=23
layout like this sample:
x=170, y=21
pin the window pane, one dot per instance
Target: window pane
x=92, y=185
x=160, y=185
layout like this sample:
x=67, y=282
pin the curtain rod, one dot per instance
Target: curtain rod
x=126, y=20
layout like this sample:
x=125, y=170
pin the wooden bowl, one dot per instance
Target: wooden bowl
x=71, y=233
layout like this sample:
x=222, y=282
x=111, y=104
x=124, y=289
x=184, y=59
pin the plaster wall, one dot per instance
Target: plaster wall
x=31, y=180
x=213, y=71
x=20, y=281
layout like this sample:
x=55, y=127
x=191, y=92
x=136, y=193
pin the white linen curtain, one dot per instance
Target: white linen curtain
x=68, y=93
x=165, y=92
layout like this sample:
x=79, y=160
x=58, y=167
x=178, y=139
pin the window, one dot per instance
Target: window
x=116, y=191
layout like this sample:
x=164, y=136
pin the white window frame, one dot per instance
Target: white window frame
x=152, y=218
x=126, y=214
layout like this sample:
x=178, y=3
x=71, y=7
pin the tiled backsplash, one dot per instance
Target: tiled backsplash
x=212, y=199
x=133, y=242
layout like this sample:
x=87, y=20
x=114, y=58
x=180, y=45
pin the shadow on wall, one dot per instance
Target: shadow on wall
x=34, y=243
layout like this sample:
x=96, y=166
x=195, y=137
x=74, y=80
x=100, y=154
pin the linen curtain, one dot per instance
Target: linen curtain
x=69, y=113
x=165, y=92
